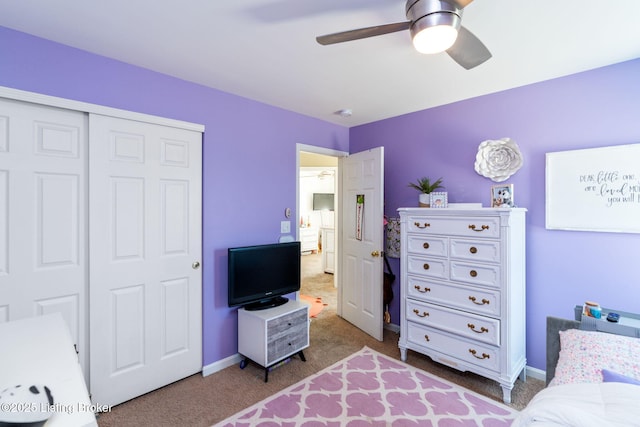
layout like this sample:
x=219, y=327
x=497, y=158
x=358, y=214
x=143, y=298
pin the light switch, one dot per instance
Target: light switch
x=285, y=226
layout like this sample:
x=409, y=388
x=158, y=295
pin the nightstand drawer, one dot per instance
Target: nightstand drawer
x=287, y=343
x=283, y=324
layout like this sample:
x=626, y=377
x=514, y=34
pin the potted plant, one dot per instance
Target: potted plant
x=425, y=187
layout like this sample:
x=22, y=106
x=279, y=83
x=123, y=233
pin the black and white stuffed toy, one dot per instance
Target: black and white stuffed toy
x=25, y=405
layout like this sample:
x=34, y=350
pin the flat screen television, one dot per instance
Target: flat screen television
x=322, y=201
x=260, y=275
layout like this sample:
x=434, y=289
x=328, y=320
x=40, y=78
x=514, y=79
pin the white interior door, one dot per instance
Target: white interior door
x=145, y=250
x=43, y=266
x=362, y=237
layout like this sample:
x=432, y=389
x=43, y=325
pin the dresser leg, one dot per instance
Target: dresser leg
x=304, y=359
x=403, y=354
x=506, y=393
x=523, y=375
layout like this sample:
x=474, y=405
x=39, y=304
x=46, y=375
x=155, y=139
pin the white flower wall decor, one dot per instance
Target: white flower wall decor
x=498, y=159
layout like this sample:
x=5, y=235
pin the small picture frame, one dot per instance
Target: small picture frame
x=502, y=196
x=438, y=199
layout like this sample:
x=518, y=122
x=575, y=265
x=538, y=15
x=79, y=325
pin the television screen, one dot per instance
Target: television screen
x=322, y=201
x=259, y=275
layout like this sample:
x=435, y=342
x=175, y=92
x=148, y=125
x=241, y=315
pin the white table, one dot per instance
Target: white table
x=39, y=350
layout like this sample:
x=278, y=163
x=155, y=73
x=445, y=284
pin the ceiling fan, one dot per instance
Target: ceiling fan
x=434, y=26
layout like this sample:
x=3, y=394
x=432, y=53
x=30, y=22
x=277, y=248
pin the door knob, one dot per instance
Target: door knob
x=375, y=253
x=195, y=265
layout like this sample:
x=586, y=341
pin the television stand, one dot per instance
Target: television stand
x=270, y=336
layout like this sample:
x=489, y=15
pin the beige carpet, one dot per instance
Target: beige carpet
x=203, y=401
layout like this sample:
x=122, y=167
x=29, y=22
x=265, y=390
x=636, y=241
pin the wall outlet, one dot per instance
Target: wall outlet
x=285, y=227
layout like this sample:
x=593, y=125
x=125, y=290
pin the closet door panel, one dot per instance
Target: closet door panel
x=145, y=249
x=43, y=208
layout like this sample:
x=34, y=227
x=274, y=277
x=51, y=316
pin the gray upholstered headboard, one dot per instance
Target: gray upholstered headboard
x=554, y=326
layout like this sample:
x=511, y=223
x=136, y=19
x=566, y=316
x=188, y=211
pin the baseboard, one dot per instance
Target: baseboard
x=535, y=373
x=221, y=364
x=392, y=327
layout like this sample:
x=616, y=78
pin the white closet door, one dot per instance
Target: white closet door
x=43, y=266
x=145, y=250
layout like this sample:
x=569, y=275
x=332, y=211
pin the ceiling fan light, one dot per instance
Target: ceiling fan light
x=435, y=39
x=435, y=33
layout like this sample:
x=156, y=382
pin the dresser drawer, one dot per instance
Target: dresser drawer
x=477, y=274
x=477, y=250
x=476, y=300
x=428, y=245
x=429, y=267
x=469, y=351
x=477, y=227
x=462, y=323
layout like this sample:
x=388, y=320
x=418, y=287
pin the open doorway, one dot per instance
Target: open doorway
x=318, y=208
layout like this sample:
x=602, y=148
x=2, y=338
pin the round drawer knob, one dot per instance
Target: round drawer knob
x=473, y=249
x=473, y=273
x=425, y=245
x=425, y=266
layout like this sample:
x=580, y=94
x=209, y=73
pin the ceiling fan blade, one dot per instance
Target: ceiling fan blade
x=468, y=50
x=362, y=33
x=460, y=4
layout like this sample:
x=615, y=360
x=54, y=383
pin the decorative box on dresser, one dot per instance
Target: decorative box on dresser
x=463, y=290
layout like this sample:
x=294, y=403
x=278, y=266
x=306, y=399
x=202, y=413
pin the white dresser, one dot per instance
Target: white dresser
x=309, y=239
x=328, y=249
x=463, y=290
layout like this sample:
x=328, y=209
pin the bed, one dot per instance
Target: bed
x=593, y=377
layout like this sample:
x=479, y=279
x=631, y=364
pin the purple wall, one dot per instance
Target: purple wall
x=590, y=109
x=249, y=159
x=249, y=166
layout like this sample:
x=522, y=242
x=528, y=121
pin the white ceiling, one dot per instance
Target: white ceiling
x=265, y=50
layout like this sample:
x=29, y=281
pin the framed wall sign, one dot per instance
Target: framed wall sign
x=596, y=189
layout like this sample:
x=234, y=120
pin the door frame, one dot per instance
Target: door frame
x=338, y=184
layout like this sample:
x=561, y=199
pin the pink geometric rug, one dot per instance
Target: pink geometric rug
x=371, y=389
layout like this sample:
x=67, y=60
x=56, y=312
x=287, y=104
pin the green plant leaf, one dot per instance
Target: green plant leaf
x=424, y=185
